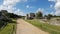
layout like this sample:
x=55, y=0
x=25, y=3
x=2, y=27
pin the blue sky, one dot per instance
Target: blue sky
x=45, y=4
x=27, y=6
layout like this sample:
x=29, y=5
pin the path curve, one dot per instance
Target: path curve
x=26, y=28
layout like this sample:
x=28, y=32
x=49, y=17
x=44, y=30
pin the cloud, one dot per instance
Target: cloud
x=57, y=13
x=10, y=6
x=28, y=6
x=40, y=9
x=52, y=13
x=25, y=0
x=56, y=6
x=19, y=12
x=10, y=2
x=52, y=0
x=51, y=6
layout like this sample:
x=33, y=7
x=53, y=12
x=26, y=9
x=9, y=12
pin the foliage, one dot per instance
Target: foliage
x=7, y=20
x=39, y=14
x=49, y=16
x=11, y=15
x=2, y=23
x=6, y=17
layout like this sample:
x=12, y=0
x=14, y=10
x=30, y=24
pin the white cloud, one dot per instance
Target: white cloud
x=52, y=13
x=10, y=2
x=57, y=13
x=52, y=0
x=9, y=5
x=51, y=6
x=18, y=12
x=28, y=6
x=40, y=9
x=56, y=6
x=25, y=0
x=58, y=0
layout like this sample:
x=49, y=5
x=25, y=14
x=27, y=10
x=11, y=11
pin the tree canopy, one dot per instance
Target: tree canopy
x=39, y=14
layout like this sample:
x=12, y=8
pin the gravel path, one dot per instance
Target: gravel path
x=26, y=28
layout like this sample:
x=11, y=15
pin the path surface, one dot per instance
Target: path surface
x=26, y=28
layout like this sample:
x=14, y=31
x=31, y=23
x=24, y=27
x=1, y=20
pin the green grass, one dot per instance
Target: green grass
x=46, y=27
x=10, y=28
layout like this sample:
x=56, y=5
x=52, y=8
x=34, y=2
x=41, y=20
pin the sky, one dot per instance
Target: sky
x=22, y=7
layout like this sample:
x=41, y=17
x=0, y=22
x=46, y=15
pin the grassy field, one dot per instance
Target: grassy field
x=46, y=27
x=9, y=28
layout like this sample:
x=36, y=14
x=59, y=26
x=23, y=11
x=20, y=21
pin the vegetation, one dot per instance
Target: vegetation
x=11, y=15
x=7, y=22
x=49, y=16
x=46, y=27
x=39, y=14
x=8, y=29
x=6, y=17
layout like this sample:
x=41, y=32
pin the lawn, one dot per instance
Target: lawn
x=9, y=28
x=46, y=27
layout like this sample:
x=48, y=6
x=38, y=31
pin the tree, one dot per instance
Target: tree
x=39, y=14
x=5, y=17
x=12, y=15
x=49, y=16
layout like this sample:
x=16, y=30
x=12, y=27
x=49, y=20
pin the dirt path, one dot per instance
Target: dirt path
x=26, y=28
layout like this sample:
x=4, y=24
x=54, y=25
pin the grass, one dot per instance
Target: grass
x=10, y=28
x=46, y=27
